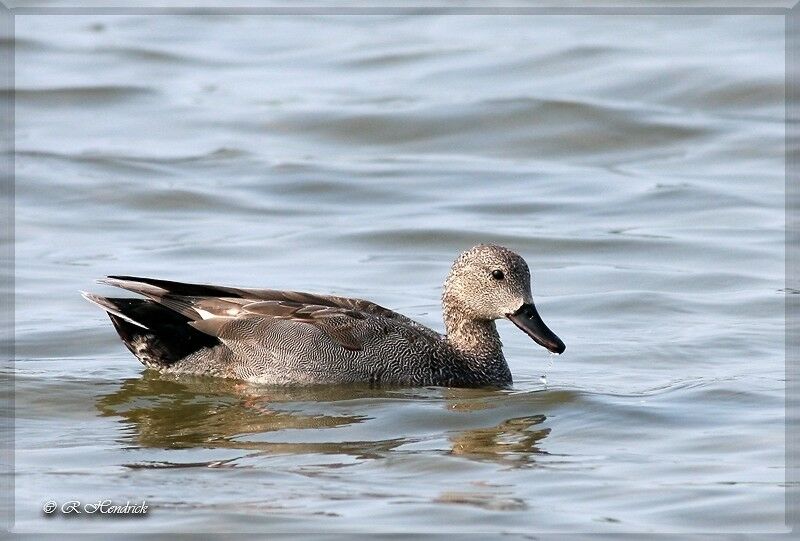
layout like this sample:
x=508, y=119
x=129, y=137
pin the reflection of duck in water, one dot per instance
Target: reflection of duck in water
x=512, y=441
x=194, y=412
x=286, y=337
x=202, y=412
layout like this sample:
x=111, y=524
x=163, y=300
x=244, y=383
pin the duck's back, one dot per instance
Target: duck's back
x=270, y=350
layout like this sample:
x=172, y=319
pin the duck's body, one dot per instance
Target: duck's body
x=292, y=338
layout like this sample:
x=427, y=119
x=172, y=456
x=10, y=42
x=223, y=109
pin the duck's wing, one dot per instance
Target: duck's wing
x=348, y=328
x=215, y=309
x=155, y=289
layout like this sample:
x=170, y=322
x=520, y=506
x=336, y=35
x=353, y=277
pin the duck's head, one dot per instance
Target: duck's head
x=489, y=282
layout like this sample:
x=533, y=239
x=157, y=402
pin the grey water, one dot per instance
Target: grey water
x=636, y=162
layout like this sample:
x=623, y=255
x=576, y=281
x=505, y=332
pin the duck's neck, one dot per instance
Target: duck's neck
x=472, y=338
x=478, y=348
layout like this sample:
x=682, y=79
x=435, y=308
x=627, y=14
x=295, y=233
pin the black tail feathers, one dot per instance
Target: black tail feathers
x=156, y=335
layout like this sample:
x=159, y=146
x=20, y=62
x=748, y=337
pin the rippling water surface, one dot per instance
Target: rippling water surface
x=636, y=162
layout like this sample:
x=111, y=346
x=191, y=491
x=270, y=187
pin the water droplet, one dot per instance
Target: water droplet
x=543, y=377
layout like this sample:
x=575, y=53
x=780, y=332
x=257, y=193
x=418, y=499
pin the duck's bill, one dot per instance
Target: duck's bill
x=527, y=319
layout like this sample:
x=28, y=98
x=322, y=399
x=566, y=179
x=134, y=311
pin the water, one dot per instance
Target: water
x=636, y=162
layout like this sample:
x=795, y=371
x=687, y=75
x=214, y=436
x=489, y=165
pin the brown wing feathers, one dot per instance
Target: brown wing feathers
x=210, y=308
x=338, y=323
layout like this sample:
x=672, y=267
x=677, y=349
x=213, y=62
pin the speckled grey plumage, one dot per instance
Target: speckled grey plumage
x=293, y=338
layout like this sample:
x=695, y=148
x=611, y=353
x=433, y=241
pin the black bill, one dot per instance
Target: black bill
x=527, y=319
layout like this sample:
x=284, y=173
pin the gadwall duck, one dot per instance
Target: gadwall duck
x=292, y=338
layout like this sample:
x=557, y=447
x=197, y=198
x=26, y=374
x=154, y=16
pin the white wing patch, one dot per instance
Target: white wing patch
x=205, y=314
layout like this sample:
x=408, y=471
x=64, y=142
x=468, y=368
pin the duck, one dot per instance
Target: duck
x=276, y=337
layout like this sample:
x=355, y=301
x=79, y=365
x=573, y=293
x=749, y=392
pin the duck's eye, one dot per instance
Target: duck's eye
x=497, y=274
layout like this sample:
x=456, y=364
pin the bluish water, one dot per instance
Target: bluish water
x=636, y=162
